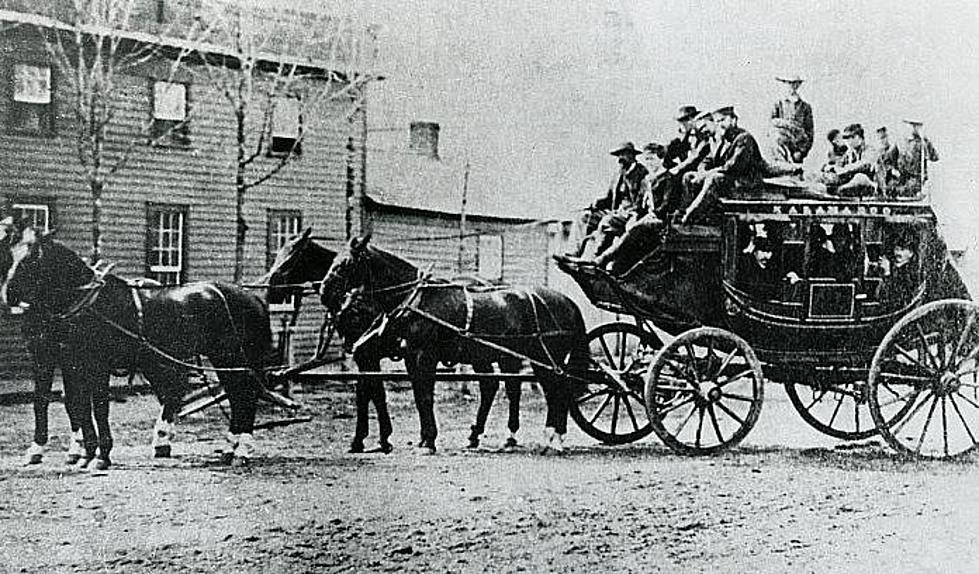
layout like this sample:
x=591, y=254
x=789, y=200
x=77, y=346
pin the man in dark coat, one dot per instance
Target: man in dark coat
x=888, y=163
x=739, y=167
x=792, y=123
x=757, y=275
x=915, y=156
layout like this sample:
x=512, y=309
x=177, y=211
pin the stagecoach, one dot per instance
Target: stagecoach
x=864, y=321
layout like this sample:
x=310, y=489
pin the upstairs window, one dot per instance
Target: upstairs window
x=32, y=103
x=170, y=126
x=165, y=241
x=287, y=127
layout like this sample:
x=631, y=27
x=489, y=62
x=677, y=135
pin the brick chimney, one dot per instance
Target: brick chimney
x=424, y=139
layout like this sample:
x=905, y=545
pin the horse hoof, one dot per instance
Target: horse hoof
x=34, y=459
x=356, y=448
x=227, y=458
x=99, y=464
x=473, y=444
x=240, y=461
x=72, y=459
x=510, y=443
x=161, y=451
x=83, y=463
x=425, y=450
x=386, y=447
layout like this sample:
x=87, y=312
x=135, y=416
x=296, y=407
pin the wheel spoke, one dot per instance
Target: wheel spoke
x=944, y=426
x=907, y=354
x=924, y=430
x=675, y=406
x=836, y=411
x=597, y=413
x=684, y=422
x=818, y=398
x=608, y=353
x=923, y=339
x=970, y=401
x=700, y=425
x=969, y=324
x=692, y=363
x=727, y=360
x=916, y=406
x=738, y=397
x=955, y=407
x=585, y=398
x=899, y=398
x=714, y=423
x=615, y=412
x=730, y=413
x=856, y=415
x=736, y=377
x=623, y=341
x=629, y=411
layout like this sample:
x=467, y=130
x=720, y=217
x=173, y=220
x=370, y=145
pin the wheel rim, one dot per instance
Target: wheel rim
x=608, y=411
x=704, y=391
x=840, y=410
x=924, y=381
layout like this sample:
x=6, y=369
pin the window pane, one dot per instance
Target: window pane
x=32, y=84
x=37, y=215
x=169, y=101
x=285, y=122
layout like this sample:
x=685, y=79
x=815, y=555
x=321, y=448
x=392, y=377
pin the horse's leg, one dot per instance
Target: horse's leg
x=362, y=399
x=98, y=375
x=169, y=385
x=487, y=392
x=379, y=397
x=78, y=391
x=243, y=392
x=43, y=370
x=551, y=390
x=421, y=370
x=513, y=392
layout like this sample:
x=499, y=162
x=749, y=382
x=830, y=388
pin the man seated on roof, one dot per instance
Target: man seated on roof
x=606, y=217
x=854, y=175
x=736, y=167
x=683, y=155
x=888, y=164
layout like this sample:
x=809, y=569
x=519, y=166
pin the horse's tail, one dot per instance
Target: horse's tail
x=579, y=357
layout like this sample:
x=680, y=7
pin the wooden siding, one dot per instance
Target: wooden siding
x=199, y=176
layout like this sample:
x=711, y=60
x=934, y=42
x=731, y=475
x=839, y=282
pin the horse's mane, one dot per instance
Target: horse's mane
x=398, y=267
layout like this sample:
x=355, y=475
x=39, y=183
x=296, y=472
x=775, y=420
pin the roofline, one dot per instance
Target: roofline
x=394, y=208
x=39, y=21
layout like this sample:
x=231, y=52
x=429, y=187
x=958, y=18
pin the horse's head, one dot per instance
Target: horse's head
x=349, y=271
x=301, y=260
x=41, y=272
x=355, y=316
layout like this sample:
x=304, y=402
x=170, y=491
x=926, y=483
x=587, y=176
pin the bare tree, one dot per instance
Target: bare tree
x=276, y=71
x=92, y=43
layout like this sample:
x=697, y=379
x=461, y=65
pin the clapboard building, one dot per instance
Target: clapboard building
x=414, y=206
x=169, y=213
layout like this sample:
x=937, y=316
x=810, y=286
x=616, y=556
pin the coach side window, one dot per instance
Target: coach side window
x=166, y=236
x=32, y=105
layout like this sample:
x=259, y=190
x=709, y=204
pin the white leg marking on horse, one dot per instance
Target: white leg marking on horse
x=162, y=433
x=34, y=454
x=246, y=446
x=76, y=445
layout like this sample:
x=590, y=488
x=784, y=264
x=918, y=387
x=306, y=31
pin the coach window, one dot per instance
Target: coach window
x=31, y=110
x=287, y=126
x=283, y=224
x=170, y=107
x=165, y=242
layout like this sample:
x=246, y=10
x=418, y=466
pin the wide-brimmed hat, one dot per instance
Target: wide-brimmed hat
x=852, y=130
x=654, y=148
x=686, y=112
x=625, y=148
x=790, y=79
x=726, y=111
x=913, y=122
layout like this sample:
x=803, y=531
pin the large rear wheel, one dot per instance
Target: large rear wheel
x=704, y=391
x=837, y=409
x=611, y=408
x=924, y=381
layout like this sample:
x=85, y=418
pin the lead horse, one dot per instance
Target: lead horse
x=104, y=324
x=449, y=323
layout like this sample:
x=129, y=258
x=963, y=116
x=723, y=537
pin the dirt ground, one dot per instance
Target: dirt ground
x=787, y=500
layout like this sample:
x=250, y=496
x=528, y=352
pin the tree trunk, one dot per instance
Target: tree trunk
x=240, y=188
x=97, y=185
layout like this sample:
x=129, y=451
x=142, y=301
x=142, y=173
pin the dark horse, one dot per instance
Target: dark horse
x=45, y=356
x=104, y=324
x=446, y=322
x=302, y=261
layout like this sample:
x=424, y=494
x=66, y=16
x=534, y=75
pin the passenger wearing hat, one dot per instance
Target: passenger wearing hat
x=792, y=123
x=738, y=167
x=626, y=197
x=888, y=164
x=855, y=175
x=679, y=148
x=916, y=154
x=757, y=274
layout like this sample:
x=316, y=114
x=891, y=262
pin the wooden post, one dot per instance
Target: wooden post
x=462, y=219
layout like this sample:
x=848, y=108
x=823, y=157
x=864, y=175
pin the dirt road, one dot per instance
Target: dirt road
x=788, y=500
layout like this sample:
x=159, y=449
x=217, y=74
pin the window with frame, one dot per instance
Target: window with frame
x=165, y=243
x=32, y=102
x=170, y=108
x=37, y=215
x=287, y=126
x=284, y=224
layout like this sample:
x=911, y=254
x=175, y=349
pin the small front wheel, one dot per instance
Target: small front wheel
x=704, y=391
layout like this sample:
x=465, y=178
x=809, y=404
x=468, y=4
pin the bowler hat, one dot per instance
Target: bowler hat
x=726, y=111
x=762, y=244
x=704, y=116
x=686, y=112
x=882, y=130
x=625, y=149
x=852, y=130
x=655, y=148
x=790, y=79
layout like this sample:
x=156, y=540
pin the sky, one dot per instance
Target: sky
x=534, y=94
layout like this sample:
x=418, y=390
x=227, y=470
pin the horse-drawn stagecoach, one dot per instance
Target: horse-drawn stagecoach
x=855, y=307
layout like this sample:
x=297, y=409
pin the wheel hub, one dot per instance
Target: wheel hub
x=947, y=384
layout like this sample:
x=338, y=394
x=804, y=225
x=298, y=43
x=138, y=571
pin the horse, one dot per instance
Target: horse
x=45, y=356
x=104, y=324
x=303, y=260
x=449, y=323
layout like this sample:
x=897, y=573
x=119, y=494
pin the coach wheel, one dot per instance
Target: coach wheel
x=924, y=386
x=837, y=409
x=611, y=407
x=704, y=391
